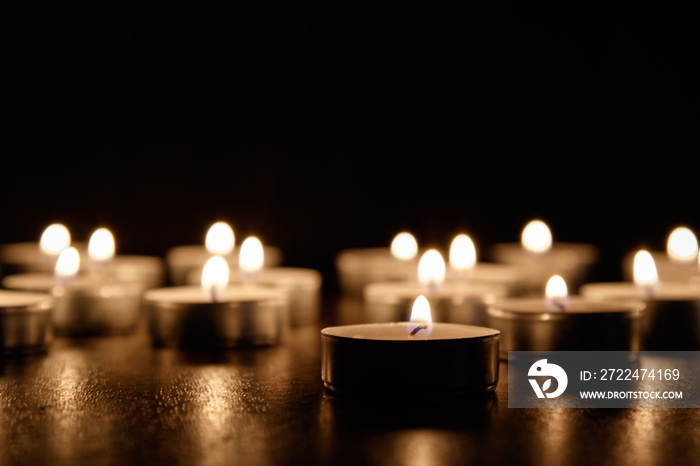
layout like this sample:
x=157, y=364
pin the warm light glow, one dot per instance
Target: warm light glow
x=252, y=257
x=55, y=239
x=462, y=253
x=682, y=246
x=537, y=237
x=215, y=278
x=220, y=239
x=421, y=322
x=68, y=264
x=556, y=293
x=645, y=275
x=404, y=246
x=431, y=269
x=101, y=246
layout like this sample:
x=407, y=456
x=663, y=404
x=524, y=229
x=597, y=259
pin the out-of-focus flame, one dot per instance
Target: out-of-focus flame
x=215, y=277
x=556, y=294
x=54, y=239
x=431, y=270
x=404, y=246
x=682, y=246
x=220, y=238
x=421, y=322
x=463, y=254
x=67, y=265
x=645, y=276
x=537, y=237
x=101, y=246
x=252, y=257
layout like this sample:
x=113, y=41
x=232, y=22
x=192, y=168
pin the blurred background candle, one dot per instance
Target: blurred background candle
x=557, y=322
x=217, y=314
x=461, y=302
x=672, y=318
x=543, y=258
x=36, y=257
x=219, y=240
x=302, y=286
x=24, y=321
x=358, y=267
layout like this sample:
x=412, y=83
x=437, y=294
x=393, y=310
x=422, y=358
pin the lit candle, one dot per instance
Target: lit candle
x=36, y=257
x=84, y=304
x=217, y=314
x=456, y=301
x=359, y=267
x=24, y=321
x=544, y=258
x=302, y=286
x=559, y=322
x=679, y=263
x=418, y=358
x=672, y=318
x=219, y=240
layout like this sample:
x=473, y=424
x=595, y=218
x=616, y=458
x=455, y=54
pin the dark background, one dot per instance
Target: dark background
x=334, y=127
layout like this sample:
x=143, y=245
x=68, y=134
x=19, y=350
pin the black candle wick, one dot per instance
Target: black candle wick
x=416, y=330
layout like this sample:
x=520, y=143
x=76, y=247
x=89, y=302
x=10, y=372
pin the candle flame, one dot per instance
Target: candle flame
x=682, y=246
x=556, y=294
x=68, y=264
x=431, y=270
x=220, y=238
x=645, y=276
x=54, y=239
x=404, y=246
x=252, y=256
x=537, y=237
x=101, y=245
x=462, y=253
x=215, y=277
x=421, y=322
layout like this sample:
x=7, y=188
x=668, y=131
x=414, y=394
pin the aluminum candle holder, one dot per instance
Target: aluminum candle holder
x=379, y=360
x=24, y=321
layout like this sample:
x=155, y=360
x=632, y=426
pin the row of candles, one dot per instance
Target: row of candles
x=481, y=310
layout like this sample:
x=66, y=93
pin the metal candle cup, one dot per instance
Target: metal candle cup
x=672, y=319
x=27, y=257
x=24, y=321
x=527, y=324
x=86, y=305
x=511, y=277
x=455, y=302
x=378, y=359
x=147, y=270
x=244, y=315
x=359, y=267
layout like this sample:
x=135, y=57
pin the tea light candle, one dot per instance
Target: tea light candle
x=409, y=359
x=456, y=302
x=359, y=267
x=217, y=315
x=39, y=256
x=302, y=286
x=84, y=305
x=678, y=264
x=672, y=318
x=24, y=321
x=562, y=323
x=220, y=240
x=543, y=258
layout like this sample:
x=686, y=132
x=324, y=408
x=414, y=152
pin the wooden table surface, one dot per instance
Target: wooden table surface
x=119, y=400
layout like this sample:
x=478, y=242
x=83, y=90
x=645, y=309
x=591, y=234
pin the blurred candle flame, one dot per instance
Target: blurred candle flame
x=421, y=322
x=54, y=239
x=215, y=277
x=404, y=246
x=537, y=237
x=431, y=270
x=67, y=265
x=252, y=256
x=645, y=276
x=101, y=245
x=682, y=246
x=556, y=294
x=463, y=254
x=220, y=238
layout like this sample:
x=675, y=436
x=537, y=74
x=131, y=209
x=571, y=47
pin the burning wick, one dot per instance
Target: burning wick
x=413, y=333
x=420, y=320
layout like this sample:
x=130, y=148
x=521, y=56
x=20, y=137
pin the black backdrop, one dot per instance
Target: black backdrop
x=321, y=129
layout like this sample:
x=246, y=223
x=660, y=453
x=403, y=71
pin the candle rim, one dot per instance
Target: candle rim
x=484, y=332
